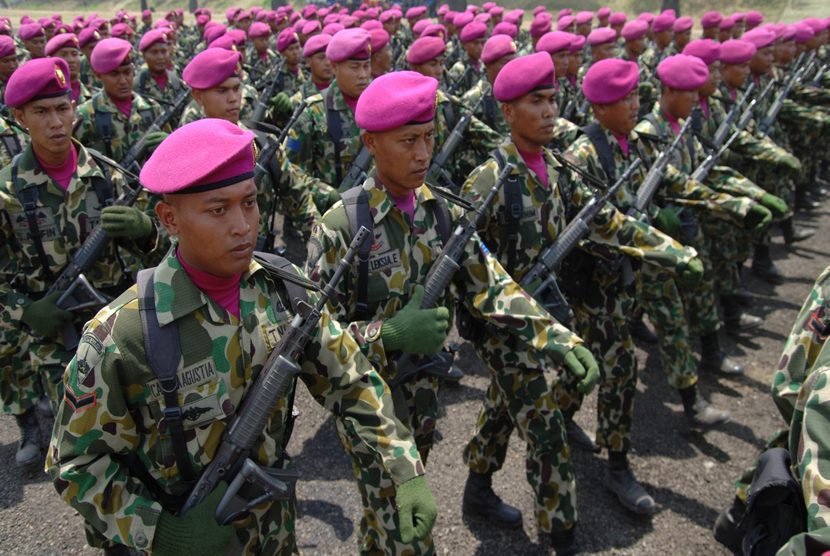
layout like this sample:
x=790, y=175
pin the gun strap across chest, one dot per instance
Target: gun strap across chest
x=606, y=155
x=335, y=130
x=11, y=143
x=490, y=110
x=356, y=204
x=106, y=130
x=513, y=209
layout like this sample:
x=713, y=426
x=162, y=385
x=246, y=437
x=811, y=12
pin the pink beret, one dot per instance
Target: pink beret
x=238, y=36
x=484, y=17
x=259, y=30
x=435, y=30
x=309, y=11
x=603, y=12
x=705, y=49
x=670, y=11
x=360, y=14
x=788, y=34
x=496, y=10
x=506, y=28
x=202, y=20
x=6, y=46
x=214, y=32
x=523, y=75
x=109, y=54
x=584, y=17
x=380, y=38
x=88, y=35
x=563, y=12
x=577, y=43
x=554, y=42
x=218, y=152
x=462, y=19
x=710, y=19
x=610, y=80
x=682, y=24
x=497, y=47
x=371, y=24
x=152, y=37
x=754, y=18
x=514, y=16
x=602, y=35
x=760, y=37
x=315, y=44
x=735, y=52
x=332, y=29
x=37, y=79
x=540, y=26
x=331, y=18
x=242, y=14
x=298, y=25
x=146, y=13
x=286, y=38
x=565, y=22
x=617, y=18
x=348, y=21
x=634, y=30
x=64, y=40
x=648, y=17
x=396, y=99
x=425, y=49
x=30, y=30
x=817, y=25
x=388, y=15
x=727, y=23
x=311, y=27
x=416, y=11
x=473, y=31
x=225, y=42
x=684, y=73
x=121, y=30
x=420, y=25
x=662, y=22
x=536, y=11
x=738, y=16
x=350, y=44
x=211, y=67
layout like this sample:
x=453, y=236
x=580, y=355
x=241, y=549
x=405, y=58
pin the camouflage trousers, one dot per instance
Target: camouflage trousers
x=379, y=529
x=523, y=399
x=48, y=362
x=601, y=321
x=701, y=301
x=660, y=298
x=19, y=386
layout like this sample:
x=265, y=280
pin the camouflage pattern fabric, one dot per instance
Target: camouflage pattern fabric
x=489, y=111
x=19, y=384
x=14, y=137
x=193, y=111
x=463, y=80
x=146, y=86
x=113, y=405
x=258, y=66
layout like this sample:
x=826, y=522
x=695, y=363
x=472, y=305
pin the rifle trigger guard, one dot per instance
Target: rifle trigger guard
x=272, y=484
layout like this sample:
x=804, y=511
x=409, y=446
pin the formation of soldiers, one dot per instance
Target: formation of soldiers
x=542, y=188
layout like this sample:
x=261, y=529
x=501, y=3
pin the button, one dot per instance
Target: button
x=140, y=539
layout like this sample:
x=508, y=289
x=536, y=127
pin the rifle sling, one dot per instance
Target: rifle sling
x=606, y=156
x=335, y=131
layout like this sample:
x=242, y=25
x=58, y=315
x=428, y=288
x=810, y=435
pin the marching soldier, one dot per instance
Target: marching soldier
x=320, y=71
x=110, y=457
x=65, y=46
x=291, y=75
x=87, y=39
x=497, y=51
x=156, y=81
x=381, y=53
x=34, y=40
x=260, y=57
x=8, y=63
x=467, y=71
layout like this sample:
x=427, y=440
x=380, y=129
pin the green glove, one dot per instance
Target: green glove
x=281, y=103
x=44, y=317
x=154, y=139
x=334, y=196
x=129, y=222
x=580, y=362
x=667, y=222
x=758, y=218
x=416, y=509
x=195, y=533
x=416, y=330
x=776, y=205
x=691, y=274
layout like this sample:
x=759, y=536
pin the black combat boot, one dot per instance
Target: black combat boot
x=764, y=268
x=713, y=359
x=620, y=480
x=735, y=318
x=700, y=414
x=28, y=449
x=564, y=542
x=481, y=501
x=639, y=330
x=793, y=234
x=726, y=530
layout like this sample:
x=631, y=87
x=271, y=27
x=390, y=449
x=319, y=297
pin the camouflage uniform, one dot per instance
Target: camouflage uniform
x=146, y=86
x=520, y=395
x=65, y=220
x=113, y=407
x=88, y=77
x=307, y=89
x=193, y=111
x=12, y=141
x=289, y=83
x=257, y=66
x=402, y=254
x=488, y=110
x=465, y=79
x=125, y=131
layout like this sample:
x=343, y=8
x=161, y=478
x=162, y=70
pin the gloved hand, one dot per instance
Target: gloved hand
x=667, y=222
x=691, y=274
x=416, y=330
x=154, y=139
x=129, y=222
x=416, y=509
x=758, y=218
x=580, y=362
x=44, y=317
x=195, y=533
x=776, y=205
x=281, y=103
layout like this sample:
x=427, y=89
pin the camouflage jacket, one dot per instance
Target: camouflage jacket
x=146, y=86
x=463, y=75
x=401, y=256
x=193, y=111
x=488, y=109
x=289, y=83
x=12, y=142
x=113, y=405
x=258, y=67
x=88, y=77
x=307, y=89
x=125, y=131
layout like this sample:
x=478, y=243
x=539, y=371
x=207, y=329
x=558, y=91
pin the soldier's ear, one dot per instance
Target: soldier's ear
x=166, y=214
x=369, y=139
x=507, y=112
x=20, y=116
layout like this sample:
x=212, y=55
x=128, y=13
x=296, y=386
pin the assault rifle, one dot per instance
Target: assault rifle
x=437, y=173
x=439, y=277
x=547, y=264
x=357, y=171
x=231, y=462
x=655, y=175
x=726, y=125
x=456, y=84
x=268, y=92
x=772, y=113
x=136, y=151
x=78, y=293
x=749, y=111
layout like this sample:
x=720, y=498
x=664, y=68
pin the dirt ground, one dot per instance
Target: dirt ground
x=690, y=475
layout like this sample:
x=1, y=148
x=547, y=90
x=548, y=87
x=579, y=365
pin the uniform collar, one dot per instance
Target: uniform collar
x=511, y=154
x=86, y=169
x=380, y=202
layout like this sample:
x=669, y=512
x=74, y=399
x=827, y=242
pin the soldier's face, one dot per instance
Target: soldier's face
x=575, y=62
x=223, y=101
x=714, y=80
x=157, y=58
x=474, y=48
x=621, y=116
x=320, y=66
x=261, y=43
x=603, y=51
x=118, y=83
x=679, y=103
x=36, y=46
x=293, y=54
x=73, y=60
x=635, y=47
x=352, y=76
x=382, y=61
x=216, y=230
x=532, y=117
x=7, y=66
x=431, y=68
x=663, y=38
x=762, y=61
x=682, y=39
x=735, y=75
x=561, y=60
x=710, y=33
x=49, y=122
x=402, y=156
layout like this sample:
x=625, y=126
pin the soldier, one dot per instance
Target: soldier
x=53, y=195
x=682, y=28
x=65, y=46
x=116, y=117
x=539, y=27
x=121, y=478
x=8, y=63
x=467, y=71
x=584, y=20
x=320, y=70
x=557, y=44
x=396, y=114
x=156, y=81
x=498, y=51
x=34, y=40
x=291, y=75
x=603, y=43
x=617, y=21
x=661, y=29
x=381, y=53
x=260, y=57
x=87, y=39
